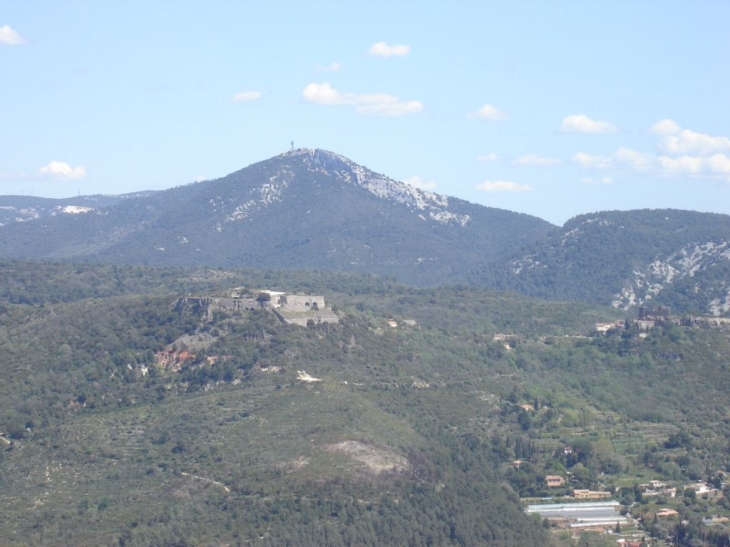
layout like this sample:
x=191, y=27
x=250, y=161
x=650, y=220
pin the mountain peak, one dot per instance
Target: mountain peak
x=429, y=205
x=303, y=209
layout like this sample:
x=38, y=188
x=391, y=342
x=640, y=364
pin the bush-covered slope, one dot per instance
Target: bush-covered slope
x=128, y=423
x=306, y=209
x=629, y=258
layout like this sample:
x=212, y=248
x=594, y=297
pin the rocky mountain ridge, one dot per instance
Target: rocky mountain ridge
x=303, y=209
x=313, y=209
x=435, y=205
x=627, y=259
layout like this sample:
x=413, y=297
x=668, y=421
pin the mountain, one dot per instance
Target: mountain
x=304, y=209
x=316, y=210
x=629, y=258
x=24, y=208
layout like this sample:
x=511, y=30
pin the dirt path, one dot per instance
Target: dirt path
x=206, y=480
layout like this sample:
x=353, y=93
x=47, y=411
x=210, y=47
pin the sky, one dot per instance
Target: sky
x=548, y=108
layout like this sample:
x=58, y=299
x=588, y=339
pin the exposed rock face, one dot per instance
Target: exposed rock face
x=433, y=205
x=274, y=188
x=173, y=360
x=687, y=262
x=628, y=258
x=206, y=306
x=261, y=197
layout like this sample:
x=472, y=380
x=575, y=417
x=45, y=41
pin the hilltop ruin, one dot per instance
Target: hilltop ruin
x=295, y=309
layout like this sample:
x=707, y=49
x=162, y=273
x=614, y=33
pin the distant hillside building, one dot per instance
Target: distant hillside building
x=590, y=494
x=653, y=314
x=666, y=513
x=554, y=481
x=296, y=309
x=645, y=325
x=603, y=328
x=298, y=302
x=300, y=309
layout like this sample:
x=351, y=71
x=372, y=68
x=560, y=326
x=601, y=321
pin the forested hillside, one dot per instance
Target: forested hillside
x=126, y=422
x=311, y=209
x=628, y=258
x=304, y=209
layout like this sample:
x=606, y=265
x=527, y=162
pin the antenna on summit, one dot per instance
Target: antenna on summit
x=292, y=145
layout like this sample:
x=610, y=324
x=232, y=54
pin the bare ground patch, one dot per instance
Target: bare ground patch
x=377, y=460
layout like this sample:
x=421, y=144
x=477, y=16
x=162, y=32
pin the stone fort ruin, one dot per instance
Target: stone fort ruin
x=296, y=309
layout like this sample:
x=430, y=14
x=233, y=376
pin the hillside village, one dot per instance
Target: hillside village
x=626, y=509
x=648, y=318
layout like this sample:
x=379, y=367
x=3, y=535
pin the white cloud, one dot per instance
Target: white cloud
x=503, y=186
x=9, y=37
x=665, y=127
x=535, y=160
x=488, y=157
x=717, y=164
x=379, y=104
x=417, y=182
x=714, y=165
x=604, y=180
x=332, y=67
x=587, y=161
x=687, y=142
x=382, y=49
x=640, y=161
x=324, y=94
x=246, y=96
x=688, y=152
x=488, y=112
x=684, y=153
x=681, y=165
x=62, y=170
x=580, y=123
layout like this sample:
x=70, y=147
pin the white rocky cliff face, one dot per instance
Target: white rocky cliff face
x=649, y=281
x=432, y=206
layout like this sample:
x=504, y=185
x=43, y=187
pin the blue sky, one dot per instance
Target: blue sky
x=548, y=108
